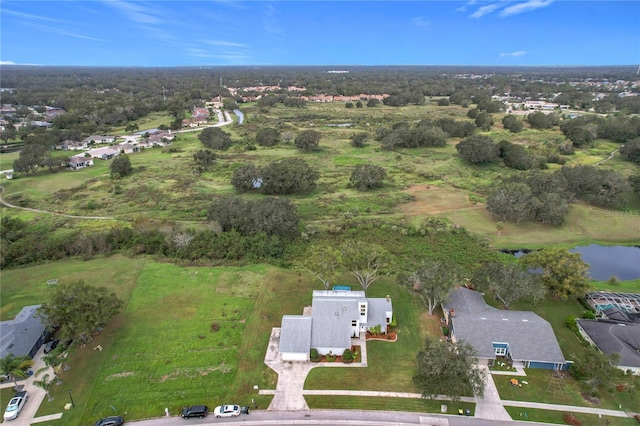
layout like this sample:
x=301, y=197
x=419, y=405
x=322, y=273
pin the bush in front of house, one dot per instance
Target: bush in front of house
x=347, y=356
x=314, y=355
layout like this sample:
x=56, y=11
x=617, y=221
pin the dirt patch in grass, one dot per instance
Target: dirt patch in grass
x=118, y=375
x=429, y=199
x=183, y=372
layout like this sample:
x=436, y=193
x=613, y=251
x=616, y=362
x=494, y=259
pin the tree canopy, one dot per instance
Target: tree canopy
x=367, y=176
x=431, y=280
x=563, y=273
x=79, y=310
x=478, y=149
x=120, y=166
x=308, y=140
x=509, y=282
x=366, y=261
x=215, y=138
x=448, y=369
x=267, y=136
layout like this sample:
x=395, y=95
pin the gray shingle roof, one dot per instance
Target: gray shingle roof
x=377, y=314
x=20, y=334
x=614, y=337
x=295, y=334
x=332, y=318
x=530, y=337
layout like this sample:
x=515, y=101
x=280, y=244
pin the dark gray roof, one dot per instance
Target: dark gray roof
x=21, y=334
x=465, y=301
x=530, y=337
x=614, y=337
x=332, y=318
x=295, y=334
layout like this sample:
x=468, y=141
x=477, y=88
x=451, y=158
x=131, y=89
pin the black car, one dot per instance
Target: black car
x=51, y=345
x=195, y=411
x=110, y=421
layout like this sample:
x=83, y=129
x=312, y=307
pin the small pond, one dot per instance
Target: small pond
x=605, y=261
x=240, y=115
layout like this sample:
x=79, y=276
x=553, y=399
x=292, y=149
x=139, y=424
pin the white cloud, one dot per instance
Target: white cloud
x=7, y=63
x=27, y=16
x=135, y=12
x=524, y=7
x=513, y=54
x=224, y=43
x=420, y=21
x=270, y=21
x=484, y=10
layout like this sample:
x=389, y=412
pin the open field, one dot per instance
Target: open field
x=163, y=187
x=6, y=160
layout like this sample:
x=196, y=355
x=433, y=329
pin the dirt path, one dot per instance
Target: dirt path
x=13, y=206
x=608, y=158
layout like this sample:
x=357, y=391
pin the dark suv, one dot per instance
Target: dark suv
x=195, y=411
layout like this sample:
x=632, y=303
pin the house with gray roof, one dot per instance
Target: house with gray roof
x=22, y=335
x=335, y=317
x=522, y=337
x=614, y=337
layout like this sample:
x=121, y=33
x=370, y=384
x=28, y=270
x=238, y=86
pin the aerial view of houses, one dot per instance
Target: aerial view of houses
x=430, y=216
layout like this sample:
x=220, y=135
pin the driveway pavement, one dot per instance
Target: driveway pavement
x=36, y=395
x=490, y=406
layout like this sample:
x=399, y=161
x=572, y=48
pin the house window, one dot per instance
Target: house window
x=363, y=310
x=500, y=351
x=354, y=323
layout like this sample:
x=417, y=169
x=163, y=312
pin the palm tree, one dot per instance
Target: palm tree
x=15, y=366
x=52, y=360
x=45, y=384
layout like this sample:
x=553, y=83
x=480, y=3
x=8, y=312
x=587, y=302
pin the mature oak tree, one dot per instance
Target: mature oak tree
x=563, y=273
x=366, y=261
x=308, y=140
x=367, y=176
x=432, y=281
x=215, y=138
x=79, y=309
x=478, y=149
x=322, y=261
x=267, y=136
x=120, y=166
x=509, y=282
x=448, y=369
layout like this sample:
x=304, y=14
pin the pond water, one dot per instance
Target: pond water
x=607, y=261
x=240, y=115
x=604, y=261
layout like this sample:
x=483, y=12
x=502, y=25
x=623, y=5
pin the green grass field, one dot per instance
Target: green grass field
x=557, y=417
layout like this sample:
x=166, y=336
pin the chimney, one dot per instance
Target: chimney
x=388, y=298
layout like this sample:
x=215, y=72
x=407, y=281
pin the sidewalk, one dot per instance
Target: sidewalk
x=489, y=406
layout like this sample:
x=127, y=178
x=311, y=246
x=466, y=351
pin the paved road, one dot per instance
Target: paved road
x=335, y=417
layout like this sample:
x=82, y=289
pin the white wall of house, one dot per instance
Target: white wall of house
x=335, y=351
x=294, y=356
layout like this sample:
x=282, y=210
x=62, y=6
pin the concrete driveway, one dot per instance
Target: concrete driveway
x=36, y=395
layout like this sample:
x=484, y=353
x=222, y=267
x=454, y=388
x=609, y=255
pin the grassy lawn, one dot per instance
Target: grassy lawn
x=544, y=386
x=317, y=402
x=546, y=416
x=162, y=348
x=584, y=224
x=6, y=160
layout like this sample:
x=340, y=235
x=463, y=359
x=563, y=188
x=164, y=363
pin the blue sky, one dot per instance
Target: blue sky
x=227, y=32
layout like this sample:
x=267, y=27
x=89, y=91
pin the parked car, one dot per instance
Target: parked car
x=51, y=345
x=227, y=411
x=110, y=421
x=195, y=411
x=15, y=405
